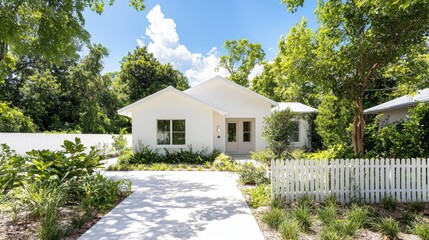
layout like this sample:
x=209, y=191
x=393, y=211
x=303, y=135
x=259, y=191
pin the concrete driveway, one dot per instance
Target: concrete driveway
x=178, y=205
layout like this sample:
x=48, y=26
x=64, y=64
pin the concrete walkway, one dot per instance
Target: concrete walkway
x=178, y=205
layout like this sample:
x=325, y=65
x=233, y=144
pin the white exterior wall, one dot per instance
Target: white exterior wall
x=237, y=105
x=24, y=142
x=303, y=134
x=198, y=121
x=394, y=115
x=219, y=137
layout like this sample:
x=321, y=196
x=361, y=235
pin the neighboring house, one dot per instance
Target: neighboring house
x=398, y=108
x=300, y=138
x=216, y=114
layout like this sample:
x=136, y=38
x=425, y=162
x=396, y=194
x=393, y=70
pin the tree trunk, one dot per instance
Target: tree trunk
x=3, y=51
x=358, y=128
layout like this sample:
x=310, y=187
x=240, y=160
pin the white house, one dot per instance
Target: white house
x=216, y=114
x=398, y=108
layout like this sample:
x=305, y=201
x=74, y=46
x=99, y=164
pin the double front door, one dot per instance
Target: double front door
x=240, y=136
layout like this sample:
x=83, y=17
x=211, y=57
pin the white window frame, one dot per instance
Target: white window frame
x=298, y=129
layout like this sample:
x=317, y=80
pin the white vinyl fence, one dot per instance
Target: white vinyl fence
x=368, y=180
x=24, y=142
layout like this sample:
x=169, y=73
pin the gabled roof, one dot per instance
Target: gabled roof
x=234, y=85
x=127, y=110
x=294, y=107
x=401, y=102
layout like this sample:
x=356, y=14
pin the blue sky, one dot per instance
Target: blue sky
x=189, y=34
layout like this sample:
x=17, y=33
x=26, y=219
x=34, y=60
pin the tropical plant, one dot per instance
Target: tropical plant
x=251, y=174
x=274, y=217
x=388, y=227
x=278, y=130
x=259, y=196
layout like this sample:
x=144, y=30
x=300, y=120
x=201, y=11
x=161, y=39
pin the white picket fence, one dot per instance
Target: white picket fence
x=24, y=142
x=368, y=180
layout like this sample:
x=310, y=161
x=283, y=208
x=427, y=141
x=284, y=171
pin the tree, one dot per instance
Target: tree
x=278, y=130
x=240, y=59
x=355, y=43
x=142, y=75
x=13, y=120
x=48, y=28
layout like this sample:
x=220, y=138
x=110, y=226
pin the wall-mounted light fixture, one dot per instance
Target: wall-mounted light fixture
x=218, y=128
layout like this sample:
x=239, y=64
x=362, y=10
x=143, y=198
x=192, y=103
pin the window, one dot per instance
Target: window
x=246, y=131
x=295, y=135
x=232, y=130
x=171, y=132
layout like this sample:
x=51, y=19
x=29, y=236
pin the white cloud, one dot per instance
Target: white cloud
x=256, y=71
x=165, y=45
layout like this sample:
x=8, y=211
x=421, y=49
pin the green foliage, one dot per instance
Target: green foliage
x=99, y=192
x=224, y=162
x=146, y=155
x=389, y=203
x=72, y=162
x=278, y=130
x=334, y=121
x=274, y=217
x=142, y=74
x=327, y=214
x=11, y=168
x=263, y=156
x=355, y=43
x=50, y=29
x=420, y=229
x=302, y=215
x=305, y=200
x=289, y=230
x=13, y=120
x=401, y=139
x=330, y=200
x=251, y=174
x=119, y=142
x=328, y=233
x=389, y=227
x=259, y=196
x=240, y=59
x=359, y=215
x=417, y=207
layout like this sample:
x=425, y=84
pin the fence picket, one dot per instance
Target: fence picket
x=366, y=179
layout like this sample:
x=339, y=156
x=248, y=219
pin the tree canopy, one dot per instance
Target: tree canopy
x=142, y=74
x=356, y=42
x=240, y=59
x=51, y=29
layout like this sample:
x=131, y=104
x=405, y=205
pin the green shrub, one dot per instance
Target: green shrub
x=119, y=142
x=417, y=206
x=276, y=202
x=144, y=155
x=388, y=227
x=259, y=195
x=278, y=130
x=303, y=216
x=250, y=174
x=330, y=233
x=274, y=217
x=224, y=162
x=289, y=230
x=407, y=217
x=360, y=215
x=330, y=200
x=40, y=197
x=99, y=192
x=70, y=163
x=12, y=169
x=420, y=229
x=389, y=203
x=263, y=156
x=305, y=200
x=327, y=214
x=344, y=228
